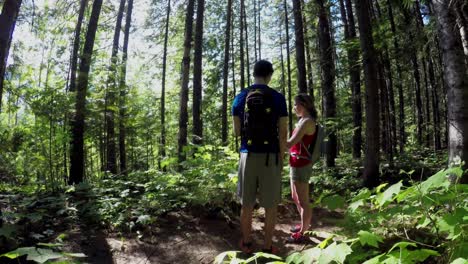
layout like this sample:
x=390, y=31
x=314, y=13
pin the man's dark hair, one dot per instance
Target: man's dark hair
x=263, y=68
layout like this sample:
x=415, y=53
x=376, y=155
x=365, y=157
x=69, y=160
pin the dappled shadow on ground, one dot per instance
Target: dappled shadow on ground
x=188, y=237
x=87, y=235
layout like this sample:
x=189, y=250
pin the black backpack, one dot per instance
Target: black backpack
x=260, y=127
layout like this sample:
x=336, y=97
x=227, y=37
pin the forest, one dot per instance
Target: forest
x=117, y=143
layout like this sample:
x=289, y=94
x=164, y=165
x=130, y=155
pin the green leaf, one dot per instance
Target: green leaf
x=435, y=181
x=387, y=196
x=367, y=238
x=39, y=255
x=451, y=222
x=50, y=244
x=380, y=187
x=402, y=245
x=355, y=205
x=460, y=261
x=144, y=219
x=333, y=202
x=374, y=260
x=324, y=243
x=295, y=258
x=363, y=194
x=7, y=230
x=75, y=255
x=335, y=252
x=222, y=256
x=310, y=255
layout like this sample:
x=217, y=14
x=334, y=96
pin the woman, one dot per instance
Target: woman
x=300, y=165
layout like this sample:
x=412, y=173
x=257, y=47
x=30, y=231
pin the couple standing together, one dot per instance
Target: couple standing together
x=260, y=119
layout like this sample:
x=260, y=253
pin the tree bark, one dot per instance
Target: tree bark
x=371, y=166
x=122, y=89
x=8, y=18
x=76, y=46
x=354, y=76
x=227, y=36
x=328, y=78
x=162, y=145
x=183, y=113
x=111, y=163
x=398, y=83
x=241, y=45
x=288, y=62
x=197, y=75
x=456, y=78
x=300, y=50
x=78, y=123
x=310, y=77
x=462, y=22
x=247, y=57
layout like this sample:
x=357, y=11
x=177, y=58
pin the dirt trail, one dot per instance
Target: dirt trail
x=183, y=238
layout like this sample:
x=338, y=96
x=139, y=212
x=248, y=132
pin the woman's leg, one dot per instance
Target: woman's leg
x=295, y=197
x=302, y=190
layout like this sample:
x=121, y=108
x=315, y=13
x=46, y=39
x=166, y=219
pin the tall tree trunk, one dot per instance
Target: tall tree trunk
x=122, y=89
x=227, y=36
x=241, y=45
x=78, y=124
x=283, y=76
x=111, y=164
x=300, y=58
x=76, y=46
x=183, y=113
x=197, y=75
x=328, y=78
x=255, y=29
x=435, y=105
x=310, y=77
x=247, y=57
x=427, y=110
x=462, y=22
x=259, y=34
x=417, y=80
x=354, y=75
x=8, y=18
x=399, y=85
x=288, y=59
x=162, y=145
x=371, y=166
x=456, y=78
x=233, y=77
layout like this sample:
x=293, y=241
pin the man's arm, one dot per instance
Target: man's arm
x=237, y=126
x=283, y=133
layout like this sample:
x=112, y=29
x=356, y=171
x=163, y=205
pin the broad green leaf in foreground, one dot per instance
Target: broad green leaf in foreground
x=387, y=196
x=367, y=238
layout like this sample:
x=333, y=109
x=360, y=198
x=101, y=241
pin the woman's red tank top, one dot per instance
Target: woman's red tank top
x=298, y=152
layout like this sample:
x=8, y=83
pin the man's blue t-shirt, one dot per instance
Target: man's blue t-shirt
x=238, y=110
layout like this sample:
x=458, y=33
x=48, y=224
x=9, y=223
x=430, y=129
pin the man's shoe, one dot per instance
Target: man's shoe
x=247, y=248
x=272, y=250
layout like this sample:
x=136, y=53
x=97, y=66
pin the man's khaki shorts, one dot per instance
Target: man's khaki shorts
x=256, y=177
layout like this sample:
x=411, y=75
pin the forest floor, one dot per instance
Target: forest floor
x=184, y=237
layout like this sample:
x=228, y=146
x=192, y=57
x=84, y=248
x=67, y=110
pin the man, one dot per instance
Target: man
x=260, y=118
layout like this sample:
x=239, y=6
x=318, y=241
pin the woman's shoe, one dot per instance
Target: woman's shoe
x=295, y=229
x=297, y=238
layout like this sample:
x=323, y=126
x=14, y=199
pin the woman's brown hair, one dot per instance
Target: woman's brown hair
x=306, y=101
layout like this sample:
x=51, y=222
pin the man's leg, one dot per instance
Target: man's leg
x=270, y=221
x=246, y=223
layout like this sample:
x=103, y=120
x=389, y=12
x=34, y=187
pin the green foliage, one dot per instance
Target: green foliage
x=43, y=255
x=425, y=221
